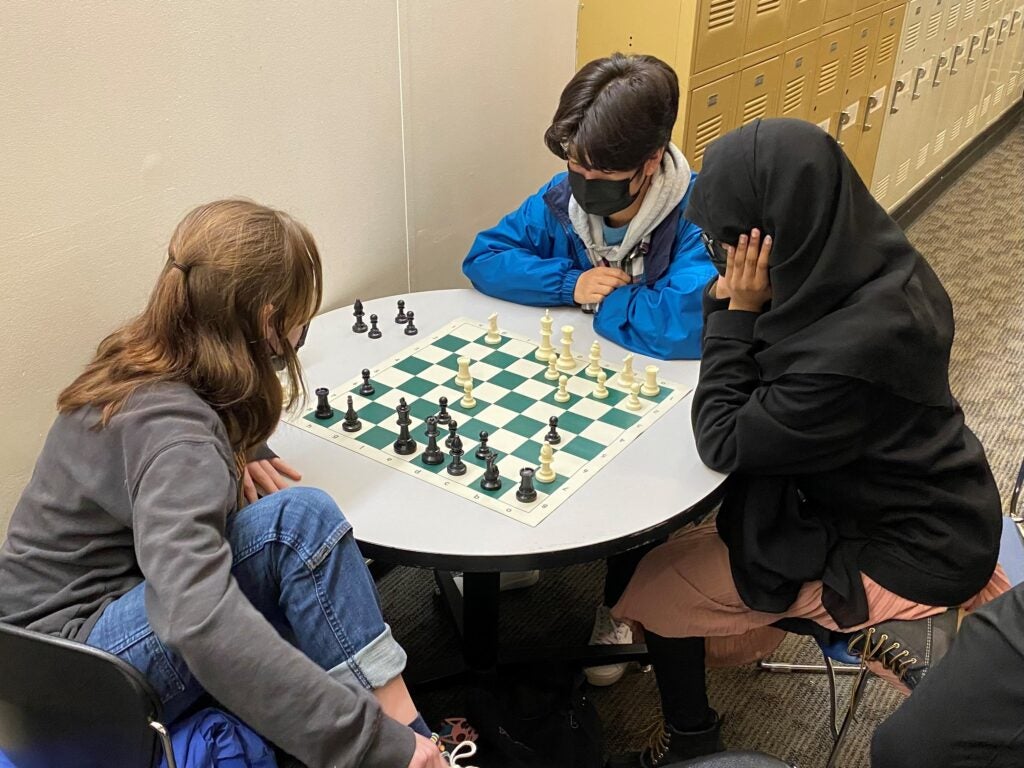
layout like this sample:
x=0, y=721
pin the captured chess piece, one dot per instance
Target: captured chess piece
x=351, y=422
x=405, y=444
x=493, y=336
x=600, y=390
x=483, y=451
x=433, y=455
x=443, y=417
x=359, y=326
x=401, y=318
x=526, y=493
x=562, y=395
x=323, y=406
x=492, y=479
x=457, y=466
x=410, y=328
x=453, y=432
x=374, y=330
x=552, y=436
x=367, y=388
x=650, y=386
x=547, y=455
x=633, y=402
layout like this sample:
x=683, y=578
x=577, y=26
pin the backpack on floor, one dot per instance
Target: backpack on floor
x=536, y=717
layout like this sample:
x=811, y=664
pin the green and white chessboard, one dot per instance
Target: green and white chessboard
x=513, y=404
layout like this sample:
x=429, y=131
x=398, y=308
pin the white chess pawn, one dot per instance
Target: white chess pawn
x=650, y=387
x=492, y=336
x=462, y=377
x=552, y=374
x=633, y=402
x=562, y=395
x=626, y=377
x=601, y=391
x=546, y=474
x=545, y=350
x=468, y=401
x=566, y=362
x=595, y=360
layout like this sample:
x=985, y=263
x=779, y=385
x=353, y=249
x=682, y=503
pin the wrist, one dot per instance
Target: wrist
x=744, y=306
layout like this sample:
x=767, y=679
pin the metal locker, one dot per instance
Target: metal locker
x=1003, y=54
x=803, y=16
x=607, y=26
x=830, y=77
x=711, y=113
x=987, y=62
x=837, y=9
x=720, y=28
x=876, y=107
x=766, y=24
x=930, y=137
x=759, y=90
x=798, y=68
x=863, y=39
x=1015, y=79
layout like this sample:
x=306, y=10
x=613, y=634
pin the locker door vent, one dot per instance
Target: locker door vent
x=722, y=14
x=793, y=95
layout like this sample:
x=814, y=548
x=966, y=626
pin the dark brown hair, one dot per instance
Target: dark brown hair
x=234, y=267
x=615, y=113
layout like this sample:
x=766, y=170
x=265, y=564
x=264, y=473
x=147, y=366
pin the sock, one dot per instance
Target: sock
x=420, y=726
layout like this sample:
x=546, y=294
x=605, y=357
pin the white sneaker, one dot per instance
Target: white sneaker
x=608, y=631
x=509, y=580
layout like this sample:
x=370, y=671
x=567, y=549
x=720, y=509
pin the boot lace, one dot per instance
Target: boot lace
x=658, y=741
x=872, y=645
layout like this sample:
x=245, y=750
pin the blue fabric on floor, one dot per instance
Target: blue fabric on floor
x=1011, y=552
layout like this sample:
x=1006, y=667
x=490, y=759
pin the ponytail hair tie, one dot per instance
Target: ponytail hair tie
x=183, y=267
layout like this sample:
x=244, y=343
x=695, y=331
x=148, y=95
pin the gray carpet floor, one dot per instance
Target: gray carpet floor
x=972, y=235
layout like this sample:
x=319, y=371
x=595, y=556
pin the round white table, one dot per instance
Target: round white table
x=657, y=484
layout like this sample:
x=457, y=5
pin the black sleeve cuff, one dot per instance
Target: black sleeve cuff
x=712, y=303
x=260, y=452
x=732, y=324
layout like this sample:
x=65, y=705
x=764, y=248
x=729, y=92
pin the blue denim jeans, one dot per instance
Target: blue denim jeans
x=297, y=563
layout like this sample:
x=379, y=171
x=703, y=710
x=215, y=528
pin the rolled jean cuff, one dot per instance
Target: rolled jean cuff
x=374, y=665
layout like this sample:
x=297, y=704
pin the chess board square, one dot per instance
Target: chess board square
x=432, y=468
x=437, y=393
x=565, y=464
x=496, y=415
x=662, y=394
x=507, y=380
x=437, y=374
x=572, y=422
x=378, y=437
x=591, y=408
x=391, y=377
x=499, y=359
x=337, y=416
x=548, y=488
x=374, y=413
x=529, y=452
x=471, y=458
x=451, y=342
x=455, y=407
x=417, y=386
x=412, y=365
x=580, y=385
x=533, y=389
x=524, y=426
x=582, y=447
x=473, y=473
x=602, y=433
x=541, y=377
x=379, y=389
x=505, y=441
x=420, y=409
x=421, y=443
x=542, y=412
x=517, y=348
x=614, y=397
x=466, y=332
x=550, y=400
x=432, y=354
x=620, y=418
x=476, y=352
x=528, y=368
x=390, y=398
x=515, y=402
x=483, y=371
x=489, y=391
x=471, y=429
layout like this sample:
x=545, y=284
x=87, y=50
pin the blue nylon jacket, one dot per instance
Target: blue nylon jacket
x=534, y=256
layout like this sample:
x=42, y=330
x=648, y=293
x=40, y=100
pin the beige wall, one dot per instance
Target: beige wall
x=368, y=120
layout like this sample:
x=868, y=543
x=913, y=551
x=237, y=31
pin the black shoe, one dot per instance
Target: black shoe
x=907, y=648
x=668, y=745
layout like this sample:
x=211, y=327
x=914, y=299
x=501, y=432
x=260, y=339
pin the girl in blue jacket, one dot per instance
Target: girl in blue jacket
x=608, y=235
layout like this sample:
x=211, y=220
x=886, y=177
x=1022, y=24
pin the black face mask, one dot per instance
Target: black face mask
x=716, y=253
x=602, y=197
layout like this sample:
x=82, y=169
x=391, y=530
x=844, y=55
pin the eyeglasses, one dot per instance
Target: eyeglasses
x=302, y=337
x=716, y=252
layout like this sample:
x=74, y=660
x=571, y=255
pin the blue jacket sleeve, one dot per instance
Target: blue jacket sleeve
x=664, y=320
x=526, y=258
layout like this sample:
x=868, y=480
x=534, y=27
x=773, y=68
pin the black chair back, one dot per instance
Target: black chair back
x=66, y=704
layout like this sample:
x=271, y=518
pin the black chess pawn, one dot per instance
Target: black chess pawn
x=351, y=422
x=526, y=493
x=443, y=417
x=401, y=318
x=405, y=444
x=323, y=407
x=483, y=451
x=491, y=480
x=433, y=455
x=453, y=428
x=367, y=388
x=374, y=330
x=359, y=326
x=410, y=328
x=457, y=466
x=552, y=436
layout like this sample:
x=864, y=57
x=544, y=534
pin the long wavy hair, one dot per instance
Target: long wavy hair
x=234, y=270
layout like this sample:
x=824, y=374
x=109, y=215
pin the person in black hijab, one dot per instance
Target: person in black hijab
x=858, y=501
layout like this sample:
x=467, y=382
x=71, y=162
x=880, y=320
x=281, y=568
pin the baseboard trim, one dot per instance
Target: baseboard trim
x=907, y=212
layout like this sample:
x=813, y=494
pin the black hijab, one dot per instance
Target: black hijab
x=850, y=295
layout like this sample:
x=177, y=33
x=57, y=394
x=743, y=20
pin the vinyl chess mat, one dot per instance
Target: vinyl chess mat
x=513, y=404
